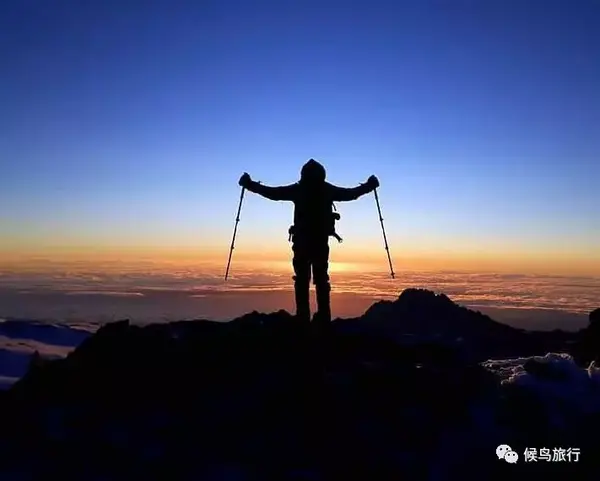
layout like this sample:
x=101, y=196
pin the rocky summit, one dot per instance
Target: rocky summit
x=416, y=389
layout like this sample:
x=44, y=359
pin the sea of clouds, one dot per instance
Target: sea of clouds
x=147, y=292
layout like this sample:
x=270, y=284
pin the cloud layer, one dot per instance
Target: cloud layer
x=148, y=292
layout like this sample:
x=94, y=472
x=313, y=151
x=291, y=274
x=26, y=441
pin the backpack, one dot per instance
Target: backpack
x=334, y=216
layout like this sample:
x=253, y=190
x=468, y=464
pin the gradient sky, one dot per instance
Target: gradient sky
x=126, y=124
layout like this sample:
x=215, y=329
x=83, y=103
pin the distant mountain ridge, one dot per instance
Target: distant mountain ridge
x=427, y=315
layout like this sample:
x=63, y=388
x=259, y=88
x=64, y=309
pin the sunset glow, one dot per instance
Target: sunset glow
x=126, y=131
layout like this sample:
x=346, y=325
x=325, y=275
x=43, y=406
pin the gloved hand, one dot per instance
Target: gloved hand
x=245, y=180
x=373, y=182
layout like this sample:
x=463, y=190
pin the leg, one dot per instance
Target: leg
x=301, y=264
x=320, y=267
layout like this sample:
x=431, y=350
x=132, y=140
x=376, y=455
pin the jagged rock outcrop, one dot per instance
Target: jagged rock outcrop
x=420, y=314
x=587, y=349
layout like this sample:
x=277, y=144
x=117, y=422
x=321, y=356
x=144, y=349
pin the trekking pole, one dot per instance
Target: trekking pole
x=384, y=236
x=237, y=220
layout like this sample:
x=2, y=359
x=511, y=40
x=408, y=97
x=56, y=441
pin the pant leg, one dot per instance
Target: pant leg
x=301, y=263
x=320, y=268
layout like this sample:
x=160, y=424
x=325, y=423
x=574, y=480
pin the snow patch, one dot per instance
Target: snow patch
x=561, y=388
x=20, y=339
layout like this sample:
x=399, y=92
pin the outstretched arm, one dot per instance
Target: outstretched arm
x=284, y=192
x=344, y=194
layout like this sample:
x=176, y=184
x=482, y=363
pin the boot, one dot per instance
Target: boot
x=323, y=315
x=301, y=291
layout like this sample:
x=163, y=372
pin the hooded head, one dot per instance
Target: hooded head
x=312, y=173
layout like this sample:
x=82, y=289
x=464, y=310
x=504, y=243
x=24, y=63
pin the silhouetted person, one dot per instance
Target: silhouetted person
x=314, y=221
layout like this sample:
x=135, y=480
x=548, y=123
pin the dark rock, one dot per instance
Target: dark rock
x=262, y=397
x=587, y=347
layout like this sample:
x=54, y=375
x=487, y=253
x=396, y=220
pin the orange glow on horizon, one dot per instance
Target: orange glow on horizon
x=342, y=259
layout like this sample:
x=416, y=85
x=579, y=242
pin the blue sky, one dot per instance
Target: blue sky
x=130, y=122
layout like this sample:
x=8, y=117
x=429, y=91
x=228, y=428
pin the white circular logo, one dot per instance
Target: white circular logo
x=504, y=451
